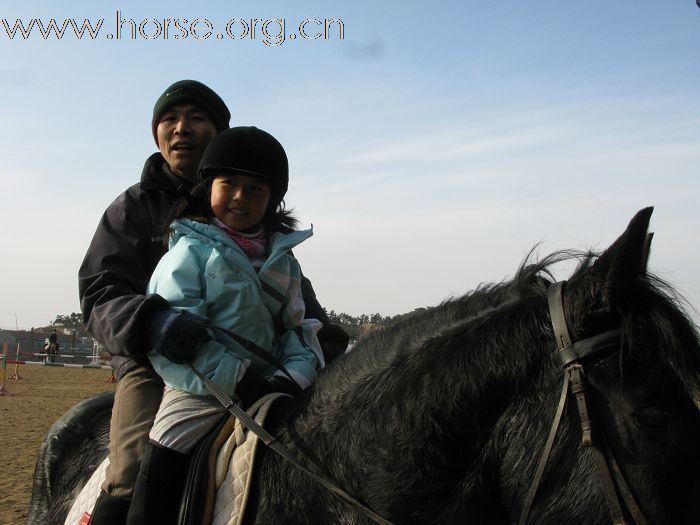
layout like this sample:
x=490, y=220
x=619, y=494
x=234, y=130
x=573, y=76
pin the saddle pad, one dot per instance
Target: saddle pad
x=235, y=464
x=85, y=502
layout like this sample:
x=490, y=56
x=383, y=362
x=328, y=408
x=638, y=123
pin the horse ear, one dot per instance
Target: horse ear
x=626, y=258
x=647, y=251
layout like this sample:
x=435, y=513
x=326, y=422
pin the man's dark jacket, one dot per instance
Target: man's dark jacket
x=124, y=251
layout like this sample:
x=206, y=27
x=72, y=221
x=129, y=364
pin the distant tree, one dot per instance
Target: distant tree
x=346, y=319
x=73, y=321
x=376, y=319
x=356, y=326
x=332, y=316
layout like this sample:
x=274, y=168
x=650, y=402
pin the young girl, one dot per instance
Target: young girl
x=229, y=261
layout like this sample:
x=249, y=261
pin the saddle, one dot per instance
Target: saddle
x=218, y=481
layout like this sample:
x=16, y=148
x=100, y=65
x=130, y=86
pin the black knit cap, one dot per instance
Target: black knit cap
x=249, y=151
x=195, y=93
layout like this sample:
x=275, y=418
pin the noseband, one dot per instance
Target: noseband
x=571, y=356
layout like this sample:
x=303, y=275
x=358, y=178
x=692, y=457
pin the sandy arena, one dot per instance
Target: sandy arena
x=38, y=399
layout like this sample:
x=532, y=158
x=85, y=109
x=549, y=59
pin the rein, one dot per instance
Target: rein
x=571, y=354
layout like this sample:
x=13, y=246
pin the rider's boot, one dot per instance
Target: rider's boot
x=159, y=486
x=109, y=510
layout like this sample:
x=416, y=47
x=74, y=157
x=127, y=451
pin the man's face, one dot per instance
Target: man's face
x=183, y=133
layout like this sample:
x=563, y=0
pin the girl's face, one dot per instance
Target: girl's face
x=239, y=201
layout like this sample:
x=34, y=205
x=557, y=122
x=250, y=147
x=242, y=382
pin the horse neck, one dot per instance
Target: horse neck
x=433, y=402
x=481, y=363
x=448, y=357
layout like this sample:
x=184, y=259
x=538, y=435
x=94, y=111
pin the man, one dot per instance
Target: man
x=113, y=277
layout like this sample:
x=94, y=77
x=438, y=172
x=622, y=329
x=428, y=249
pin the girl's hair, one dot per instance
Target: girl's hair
x=196, y=205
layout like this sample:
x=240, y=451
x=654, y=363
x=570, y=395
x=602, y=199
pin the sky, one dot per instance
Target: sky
x=432, y=145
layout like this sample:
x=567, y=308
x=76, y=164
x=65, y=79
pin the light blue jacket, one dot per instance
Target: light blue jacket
x=206, y=273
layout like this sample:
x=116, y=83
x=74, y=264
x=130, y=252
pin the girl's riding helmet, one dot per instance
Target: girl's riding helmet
x=247, y=150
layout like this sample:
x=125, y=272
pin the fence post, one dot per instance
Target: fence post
x=3, y=371
x=15, y=374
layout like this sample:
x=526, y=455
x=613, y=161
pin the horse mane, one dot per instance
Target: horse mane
x=420, y=327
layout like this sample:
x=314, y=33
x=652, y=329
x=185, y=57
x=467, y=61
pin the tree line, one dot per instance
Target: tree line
x=74, y=321
x=352, y=323
x=350, y=320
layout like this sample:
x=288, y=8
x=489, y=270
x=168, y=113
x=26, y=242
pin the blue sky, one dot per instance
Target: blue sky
x=431, y=148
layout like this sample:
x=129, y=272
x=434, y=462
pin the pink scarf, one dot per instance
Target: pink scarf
x=254, y=245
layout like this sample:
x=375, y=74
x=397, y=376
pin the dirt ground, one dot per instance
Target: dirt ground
x=38, y=399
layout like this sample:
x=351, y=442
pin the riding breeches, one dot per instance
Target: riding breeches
x=184, y=419
x=136, y=403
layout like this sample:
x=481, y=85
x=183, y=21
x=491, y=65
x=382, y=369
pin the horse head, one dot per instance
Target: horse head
x=636, y=460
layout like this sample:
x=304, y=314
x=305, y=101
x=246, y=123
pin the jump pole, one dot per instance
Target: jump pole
x=60, y=365
x=15, y=374
x=95, y=354
x=96, y=358
x=3, y=390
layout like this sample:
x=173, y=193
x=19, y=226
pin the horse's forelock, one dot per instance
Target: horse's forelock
x=660, y=333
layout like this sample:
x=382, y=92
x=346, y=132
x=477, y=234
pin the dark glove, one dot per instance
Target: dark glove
x=251, y=387
x=177, y=334
x=334, y=341
x=284, y=385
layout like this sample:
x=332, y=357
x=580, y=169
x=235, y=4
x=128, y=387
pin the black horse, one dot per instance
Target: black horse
x=442, y=417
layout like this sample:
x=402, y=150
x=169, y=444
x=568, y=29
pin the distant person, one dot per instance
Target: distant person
x=112, y=279
x=52, y=347
x=229, y=262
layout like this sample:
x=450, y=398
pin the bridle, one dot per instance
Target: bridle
x=571, y=357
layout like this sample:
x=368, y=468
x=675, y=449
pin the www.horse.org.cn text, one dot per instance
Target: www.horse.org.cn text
x=270, y=32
